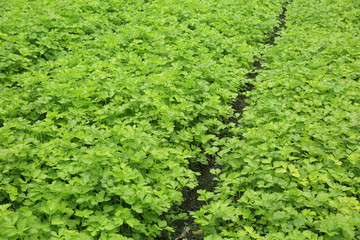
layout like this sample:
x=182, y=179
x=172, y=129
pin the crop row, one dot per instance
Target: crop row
x=105, y=103
x=295, y=172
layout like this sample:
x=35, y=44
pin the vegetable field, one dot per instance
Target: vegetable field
x=111, y=109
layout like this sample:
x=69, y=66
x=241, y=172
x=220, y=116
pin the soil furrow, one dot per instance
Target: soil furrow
x=185, y=228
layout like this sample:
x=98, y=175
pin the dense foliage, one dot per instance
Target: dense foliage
x=296, y=172
x=105, y=103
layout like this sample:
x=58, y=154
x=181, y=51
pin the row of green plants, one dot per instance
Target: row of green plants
x=105, y=103
x=295, y=172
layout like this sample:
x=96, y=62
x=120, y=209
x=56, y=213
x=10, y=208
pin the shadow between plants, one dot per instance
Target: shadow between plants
x=186, y=229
